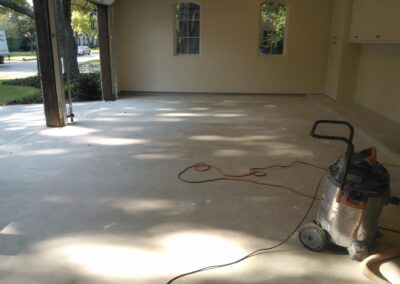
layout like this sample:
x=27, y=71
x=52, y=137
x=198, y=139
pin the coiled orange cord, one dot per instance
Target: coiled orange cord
x=253, y=172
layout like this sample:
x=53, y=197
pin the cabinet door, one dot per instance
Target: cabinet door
x=381, y=20
x=359, y=31
x=395, y=26
x=373, y=20
x=338, y=19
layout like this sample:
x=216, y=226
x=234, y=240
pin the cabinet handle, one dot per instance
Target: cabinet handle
x=356, y=36
x=378, y=36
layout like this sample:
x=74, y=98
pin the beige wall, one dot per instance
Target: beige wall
x=342, y=65
x=378, y=85
x=229, y=59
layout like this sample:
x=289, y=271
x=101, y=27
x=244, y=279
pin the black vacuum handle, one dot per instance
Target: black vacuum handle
x=348, y=141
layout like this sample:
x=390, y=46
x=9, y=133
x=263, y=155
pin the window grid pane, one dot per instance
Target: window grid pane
x=187, y=28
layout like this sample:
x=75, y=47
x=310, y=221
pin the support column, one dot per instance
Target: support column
x=50, y=63
x=105, y=53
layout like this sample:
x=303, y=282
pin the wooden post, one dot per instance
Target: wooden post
x=105, y=53
x=50, y=63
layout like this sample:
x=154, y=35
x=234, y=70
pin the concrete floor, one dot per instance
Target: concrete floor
x=99, y=201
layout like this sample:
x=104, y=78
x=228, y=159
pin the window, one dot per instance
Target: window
x=187, y=28
x=273, y=25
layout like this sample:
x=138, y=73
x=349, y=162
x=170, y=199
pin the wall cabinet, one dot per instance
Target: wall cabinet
x=338, y=20
x=375, y=21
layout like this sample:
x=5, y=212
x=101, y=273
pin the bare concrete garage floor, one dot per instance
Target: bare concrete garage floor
x=99, y=201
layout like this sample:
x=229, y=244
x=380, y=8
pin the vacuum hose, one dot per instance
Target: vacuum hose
x=395, y=200
x=379, y=257
x=373, y=259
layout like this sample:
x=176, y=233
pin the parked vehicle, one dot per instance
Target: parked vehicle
x=3, y=46
x=83, y=50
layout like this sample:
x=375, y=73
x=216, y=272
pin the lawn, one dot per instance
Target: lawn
x=31, y=55
x=91, y=66
x=22, y=55
x=93, y=62
x=18, y=94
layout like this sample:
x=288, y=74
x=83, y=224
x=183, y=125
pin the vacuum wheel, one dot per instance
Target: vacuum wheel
x=313, y=237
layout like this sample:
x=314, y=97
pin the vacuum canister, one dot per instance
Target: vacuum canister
x=355, y=191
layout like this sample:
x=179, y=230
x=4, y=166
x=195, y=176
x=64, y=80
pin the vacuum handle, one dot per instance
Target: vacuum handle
x=348, y=141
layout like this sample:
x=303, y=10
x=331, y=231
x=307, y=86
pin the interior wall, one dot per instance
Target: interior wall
x=229, y=60
x=378, y=85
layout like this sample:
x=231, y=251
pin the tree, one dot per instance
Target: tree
x=82, y=6
x=20, y=6
x=274, y=13
x=11, y=29
x=19, y=28
x=71, y=47
x=23, y=7
x=83, y=21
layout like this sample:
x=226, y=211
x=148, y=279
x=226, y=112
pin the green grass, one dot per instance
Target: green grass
x=92, y=62
x=95, y=50
x=18, y=94
x=22, y=55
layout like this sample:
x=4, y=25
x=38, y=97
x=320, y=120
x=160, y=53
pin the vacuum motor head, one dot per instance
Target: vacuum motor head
x=365, y=175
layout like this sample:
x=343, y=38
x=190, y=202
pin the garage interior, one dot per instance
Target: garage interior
x=99, y=200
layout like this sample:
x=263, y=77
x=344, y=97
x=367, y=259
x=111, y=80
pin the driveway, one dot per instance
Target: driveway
x=22, y=69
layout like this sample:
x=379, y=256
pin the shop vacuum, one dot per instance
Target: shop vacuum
x=355, y=191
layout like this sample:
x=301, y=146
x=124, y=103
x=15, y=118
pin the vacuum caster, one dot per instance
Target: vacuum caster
x=312, y=237
x=358, y=251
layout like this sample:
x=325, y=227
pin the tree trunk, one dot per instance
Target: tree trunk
x=71, y=46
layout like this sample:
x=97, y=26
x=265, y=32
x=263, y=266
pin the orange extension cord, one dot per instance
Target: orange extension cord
x=254, y=172
x=259, y=172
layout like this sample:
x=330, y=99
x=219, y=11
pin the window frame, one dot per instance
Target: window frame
x=175, y=35
x=285, y=37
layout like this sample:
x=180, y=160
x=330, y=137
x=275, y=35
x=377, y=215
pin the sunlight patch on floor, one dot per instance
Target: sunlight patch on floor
x=162, y=256
x=11, y=229
x=230, y=153
x=45, y=152
x=140, y=206
x=69, y=131
x=218, y=138
x=156, y=156
x=108, y=141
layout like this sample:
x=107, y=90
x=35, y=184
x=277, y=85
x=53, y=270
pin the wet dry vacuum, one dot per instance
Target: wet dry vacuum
x=356, y=189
